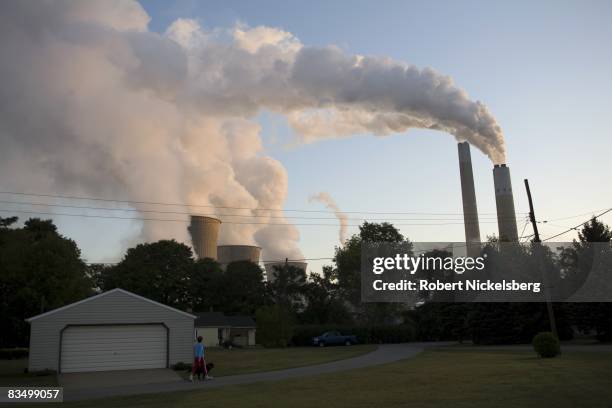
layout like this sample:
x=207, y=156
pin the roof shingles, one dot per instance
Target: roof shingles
x=218, y=319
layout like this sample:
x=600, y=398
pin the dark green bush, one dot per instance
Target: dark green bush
x=274, y=326
x=13, y=353
x=180, y=366
x=546, y=345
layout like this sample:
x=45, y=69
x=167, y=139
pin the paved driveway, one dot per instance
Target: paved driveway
x=109, y=379
x=386, y=353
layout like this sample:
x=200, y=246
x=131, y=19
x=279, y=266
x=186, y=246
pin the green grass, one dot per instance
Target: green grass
x=12, y=373
x=252, y=360
x=436, y=378
x=236, y=361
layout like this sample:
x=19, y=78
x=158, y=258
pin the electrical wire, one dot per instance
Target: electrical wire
x=220, y=207
x=225, y=222
x=577, y=226
x=524, y=228
x=86, y=207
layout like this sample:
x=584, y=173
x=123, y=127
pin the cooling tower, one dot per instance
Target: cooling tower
x=232, y=253
x=468, y=194
x=204, y=235
x=271, y=265
x=506, y=217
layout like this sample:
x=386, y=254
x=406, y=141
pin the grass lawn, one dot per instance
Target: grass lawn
x=236, y=361
x=251, y=360
x=12, y=373
x=436, y=378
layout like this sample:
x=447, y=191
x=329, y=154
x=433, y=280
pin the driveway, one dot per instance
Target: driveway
x=386, y=353
x=107, y=379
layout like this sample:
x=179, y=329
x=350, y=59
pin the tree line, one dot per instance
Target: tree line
x=41, y=270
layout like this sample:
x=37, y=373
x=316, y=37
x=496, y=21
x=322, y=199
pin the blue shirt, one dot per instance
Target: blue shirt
x=198, y=350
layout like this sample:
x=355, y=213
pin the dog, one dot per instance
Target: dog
x=209, y=367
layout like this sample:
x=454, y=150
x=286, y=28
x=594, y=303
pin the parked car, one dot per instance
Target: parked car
x=228, y=344
x=334, y=338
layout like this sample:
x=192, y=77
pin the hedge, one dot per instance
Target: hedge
x=13, y=353
x=546, y=345
x=365, y=335
x=181, y=366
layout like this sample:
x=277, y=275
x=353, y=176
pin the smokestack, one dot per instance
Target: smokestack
x=506, y=217
x=468, y=194
x=204, y=235
x=270, y=268
x=234, y=253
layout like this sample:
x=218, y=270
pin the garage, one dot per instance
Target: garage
x=111, y=331
x=113, y=347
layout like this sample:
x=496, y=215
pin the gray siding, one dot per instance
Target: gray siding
x=113, y=308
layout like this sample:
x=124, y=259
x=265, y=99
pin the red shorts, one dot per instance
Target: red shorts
x=198, y=365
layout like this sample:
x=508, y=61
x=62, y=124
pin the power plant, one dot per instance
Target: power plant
x=204, y=236
x=504, y=200
x=232, y=253
x=205, y=230
x=468, y=195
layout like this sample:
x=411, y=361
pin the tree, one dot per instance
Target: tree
x=243, y=288
x=323, y=299
x=348, y=257
x=380, y=232
x=206, y=285
x=274, y=326
x=7, y=222
x=287, y=287
x=590, y=316
x=435, y=272
x=159, y=271
x=40, y=270
x=595, y=231
x=348, y=270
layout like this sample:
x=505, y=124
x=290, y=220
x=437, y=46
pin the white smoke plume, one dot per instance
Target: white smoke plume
x=93, y=103
x=329, y=202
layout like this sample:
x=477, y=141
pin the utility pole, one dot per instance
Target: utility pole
x=539, y=254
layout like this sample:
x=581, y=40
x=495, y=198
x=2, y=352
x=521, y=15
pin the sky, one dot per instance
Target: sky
x=542, y=68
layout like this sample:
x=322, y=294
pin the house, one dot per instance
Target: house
x=216, y=327
x=115, y=330
x=213, y=328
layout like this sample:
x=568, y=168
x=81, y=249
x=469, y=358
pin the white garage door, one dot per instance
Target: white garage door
x=121, y=347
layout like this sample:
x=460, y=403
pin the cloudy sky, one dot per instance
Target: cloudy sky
x=542, y=70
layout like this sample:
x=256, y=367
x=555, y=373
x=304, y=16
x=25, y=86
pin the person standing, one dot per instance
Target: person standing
x=199, y=365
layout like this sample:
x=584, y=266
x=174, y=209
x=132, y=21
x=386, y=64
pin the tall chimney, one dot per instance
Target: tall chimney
x=506, y=217
x=204, y=236
x=468, y=194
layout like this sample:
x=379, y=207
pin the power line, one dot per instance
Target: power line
x=218, y=206
x=546, y=223
x=524, y=228
x=447, y=247
x=574, y=216
x=225, y=222
x=264, y=262
x=220, y=215
x=578, y=226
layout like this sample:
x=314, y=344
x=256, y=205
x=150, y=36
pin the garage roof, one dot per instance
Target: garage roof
x=89, y=299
